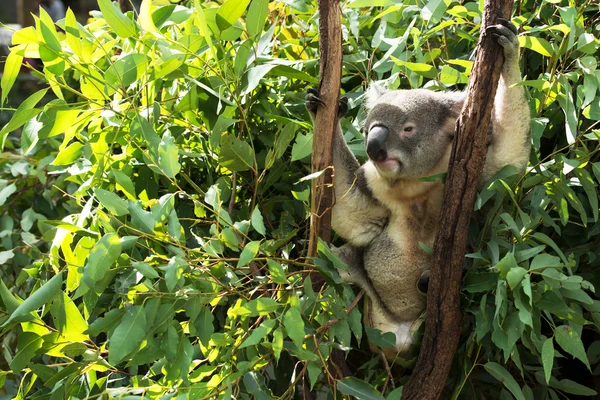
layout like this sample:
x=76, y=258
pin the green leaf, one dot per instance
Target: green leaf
x=302, y=147
x=106, y=323
x=145, y=269
x=542, y=237
x=112, y=202
x=590, y=189
x=168, y=156
x=257, y=334
x=235, y=154
x=294, y=325
x=256, y=307
x=258, y=222
x=57, y=118
x=24, y=113
x=68, y=155
x=230, y=12
x=570, y=341
x=128, y=336
x=10, y=302
x=29, y=343
x=548, y=358
x=544, y=261
x=482, y=282
x=515, y=276
x=104, y=254
x=277, y=272
x=395, y=394
x=12, y=67
x=68, y=320
x=351, y=386
x=426, y=70
x=506, y=264
x=567, y=385
x=141, y=218
x=536, y=44
x=127, y=70
x=125, y=184
x=6, y=192
x=371, y=3
x=174, y=272
x=277, y=342
x=204, y=325
x=239, y=66
x=145, y=17
x=119, y=22
x=40, y=297
x=140, y=126
x=248, y=254
x=257, y=16
x=502, y=375
x=255, y=76
x=381, y=339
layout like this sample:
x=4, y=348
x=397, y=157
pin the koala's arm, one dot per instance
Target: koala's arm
x=510, y=142
x=356, y=216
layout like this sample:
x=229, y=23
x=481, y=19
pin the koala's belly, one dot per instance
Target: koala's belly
x=394, y=269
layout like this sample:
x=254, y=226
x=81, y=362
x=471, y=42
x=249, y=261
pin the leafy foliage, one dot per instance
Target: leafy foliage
x=154, y=225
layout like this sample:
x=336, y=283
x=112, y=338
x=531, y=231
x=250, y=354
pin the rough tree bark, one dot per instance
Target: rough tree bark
x=322, y=194
x=330, y=46
x=443, y=325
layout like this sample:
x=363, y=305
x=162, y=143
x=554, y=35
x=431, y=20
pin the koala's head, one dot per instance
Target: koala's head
x=408, y=132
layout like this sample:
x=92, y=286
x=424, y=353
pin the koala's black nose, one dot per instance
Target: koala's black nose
x=376, y=148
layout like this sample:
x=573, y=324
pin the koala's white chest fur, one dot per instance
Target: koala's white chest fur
x=395, y=261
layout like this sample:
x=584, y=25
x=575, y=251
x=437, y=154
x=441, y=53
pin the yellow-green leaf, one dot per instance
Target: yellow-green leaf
x=119, y=22
x=12, y=66
x=68, y=155
x=536, y=44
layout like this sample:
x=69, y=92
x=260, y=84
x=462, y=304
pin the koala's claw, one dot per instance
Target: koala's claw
x=508, y=24
x=313, y=101
x=505, y=33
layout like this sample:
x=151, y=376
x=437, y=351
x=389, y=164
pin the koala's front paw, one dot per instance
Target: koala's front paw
x=506, y=35
x=313, y=101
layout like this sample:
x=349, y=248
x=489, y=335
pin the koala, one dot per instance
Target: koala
x=382, y=210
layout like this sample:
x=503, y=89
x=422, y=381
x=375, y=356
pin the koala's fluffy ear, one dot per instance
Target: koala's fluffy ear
x=454, y=102
x=373, y=94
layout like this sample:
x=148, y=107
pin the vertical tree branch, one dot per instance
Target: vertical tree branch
x=322, y=194
x=24, y=10
x=330, y=45
x=443, y=326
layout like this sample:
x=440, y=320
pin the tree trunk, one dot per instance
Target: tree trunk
x=24, y=10
x=442, y=330
x=322, y=194
x=330, y=46
x=125, y=5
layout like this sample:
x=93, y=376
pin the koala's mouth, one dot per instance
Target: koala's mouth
x=389, y=164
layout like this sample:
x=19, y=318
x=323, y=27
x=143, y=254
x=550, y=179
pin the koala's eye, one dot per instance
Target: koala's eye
x=408, y=129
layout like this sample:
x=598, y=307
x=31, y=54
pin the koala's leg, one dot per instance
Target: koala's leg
x=356, y=274
x=356, y=215
x=510, y=142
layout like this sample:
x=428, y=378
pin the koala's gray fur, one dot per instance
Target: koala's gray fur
x=382, y=209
